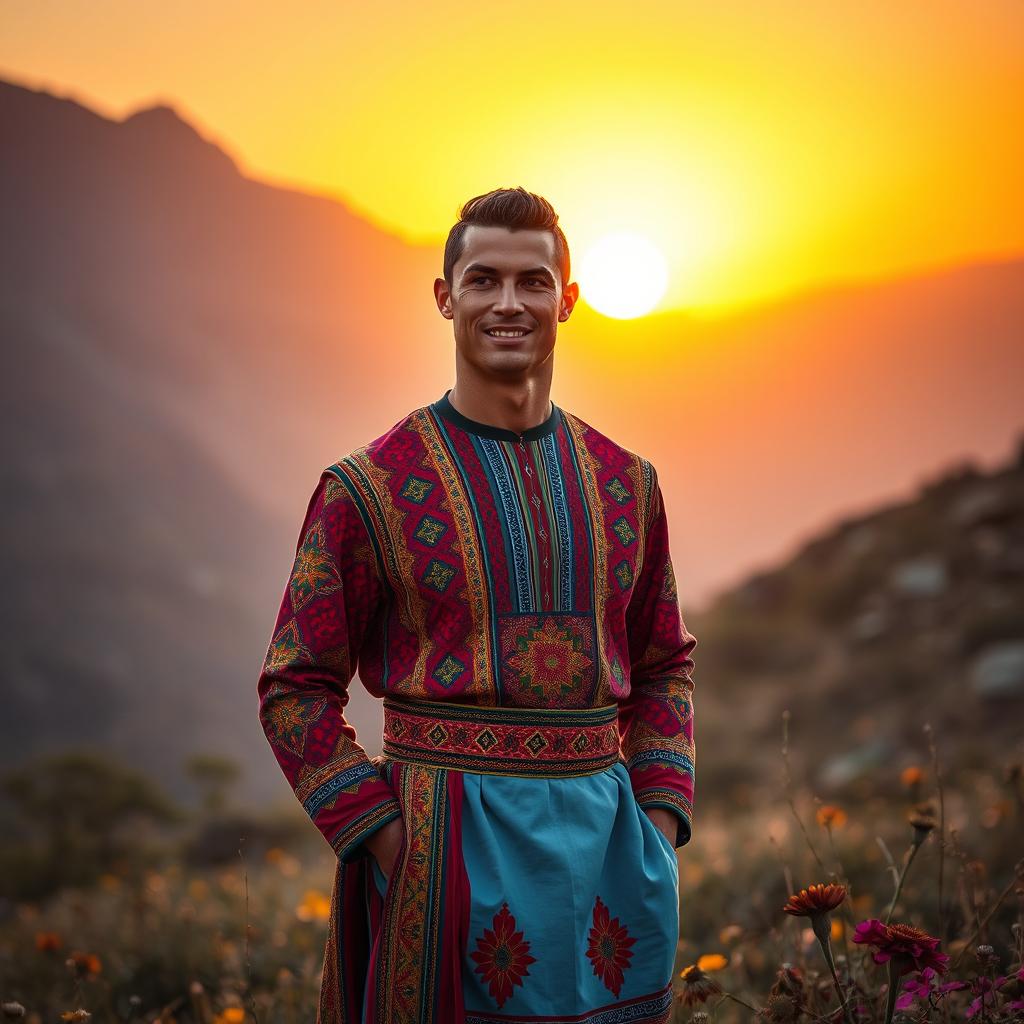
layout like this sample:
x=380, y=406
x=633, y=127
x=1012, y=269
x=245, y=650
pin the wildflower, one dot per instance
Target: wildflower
x=987, y=956
x=920, y=987
x=815, y=900
x=712, y=962
x=923, y=821
x=231, y=1015
x=47, y=942
x=909, y=948
x=830, y=816
x=86, y=965
x=697, y=988
x=985, y=992
x=911, y=776
x=314, y=907
x=780, y=1009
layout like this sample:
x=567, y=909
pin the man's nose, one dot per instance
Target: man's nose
x=507, y=300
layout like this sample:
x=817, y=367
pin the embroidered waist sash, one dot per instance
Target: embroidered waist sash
x=501, y=740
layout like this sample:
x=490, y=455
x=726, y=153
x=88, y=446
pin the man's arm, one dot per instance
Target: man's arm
x=333, y=595
x=656, y=719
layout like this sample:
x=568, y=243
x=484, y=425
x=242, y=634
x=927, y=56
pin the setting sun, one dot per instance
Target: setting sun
x=623, y=275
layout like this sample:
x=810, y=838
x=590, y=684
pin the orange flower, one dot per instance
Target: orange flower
x=75, y=1015
x=712, y=962
x=47, y=942
x=815, y=900
x=912, y=776
x=86, y=964
x=830, y=816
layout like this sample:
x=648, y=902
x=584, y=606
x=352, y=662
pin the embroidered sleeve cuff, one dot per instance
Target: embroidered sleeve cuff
x=347, y=802
x=350, y=843
x=674, y=802
x=664, y=778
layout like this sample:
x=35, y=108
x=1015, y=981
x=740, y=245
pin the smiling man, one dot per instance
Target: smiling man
x=499, y=572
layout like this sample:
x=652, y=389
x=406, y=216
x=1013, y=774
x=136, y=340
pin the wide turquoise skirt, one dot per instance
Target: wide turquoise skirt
x=573, y=901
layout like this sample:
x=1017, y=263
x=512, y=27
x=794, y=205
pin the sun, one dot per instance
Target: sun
x=623, y=275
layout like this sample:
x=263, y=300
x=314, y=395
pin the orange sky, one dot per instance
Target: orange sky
x=761, y=147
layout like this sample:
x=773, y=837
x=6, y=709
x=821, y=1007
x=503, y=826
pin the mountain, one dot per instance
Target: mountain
x=187, y=347
x=885, y=621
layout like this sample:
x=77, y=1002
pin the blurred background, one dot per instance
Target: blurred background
x=799, y=236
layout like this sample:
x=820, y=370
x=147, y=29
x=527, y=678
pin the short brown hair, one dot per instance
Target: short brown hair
x=511, y=208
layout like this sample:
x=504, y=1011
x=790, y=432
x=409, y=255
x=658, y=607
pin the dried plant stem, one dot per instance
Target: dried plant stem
x=822, y=927
x=736, y=999
x=788, y=789
x=933, y=749
x=248, y=964
x=903, y=877
x=894, y=987
x=1017, y=876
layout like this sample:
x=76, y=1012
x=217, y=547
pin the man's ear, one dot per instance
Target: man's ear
x=443, y=297
x=569, y=296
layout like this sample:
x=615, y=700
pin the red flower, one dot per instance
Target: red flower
x=815, y=900
x=502, y=956
x=910, y=948
x=609, y=948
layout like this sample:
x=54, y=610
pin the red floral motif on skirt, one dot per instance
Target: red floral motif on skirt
x=502, y=956
x=608, y=948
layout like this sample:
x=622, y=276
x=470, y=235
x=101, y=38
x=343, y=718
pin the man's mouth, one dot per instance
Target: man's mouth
x=507, y=332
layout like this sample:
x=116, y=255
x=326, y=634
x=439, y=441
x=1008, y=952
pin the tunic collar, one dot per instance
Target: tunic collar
x=443, y=407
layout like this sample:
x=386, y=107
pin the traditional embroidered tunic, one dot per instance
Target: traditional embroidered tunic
x=512, y=599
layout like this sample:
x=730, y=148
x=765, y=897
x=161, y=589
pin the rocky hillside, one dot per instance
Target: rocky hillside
x=909, y=614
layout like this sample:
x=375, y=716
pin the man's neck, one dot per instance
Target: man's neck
x=517, y=408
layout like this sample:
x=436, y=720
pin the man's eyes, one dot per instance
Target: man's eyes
x=535, y=280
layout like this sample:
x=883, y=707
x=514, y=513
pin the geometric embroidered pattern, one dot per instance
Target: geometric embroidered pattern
x=503, y=740
x=624, y=531
x=551, y=659
x=617, y=489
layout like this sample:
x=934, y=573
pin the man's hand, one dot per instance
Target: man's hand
x=385, y=844
x=665, y=820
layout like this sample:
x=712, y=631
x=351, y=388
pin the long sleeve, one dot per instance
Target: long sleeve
x=656, y=718
x=332, y=598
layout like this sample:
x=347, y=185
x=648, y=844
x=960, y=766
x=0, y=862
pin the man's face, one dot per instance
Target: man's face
x=506, y=281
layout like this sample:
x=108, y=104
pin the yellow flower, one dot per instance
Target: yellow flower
x=712, y=962
x=314, y=907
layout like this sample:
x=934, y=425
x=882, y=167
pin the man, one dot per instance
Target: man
x=499, y=572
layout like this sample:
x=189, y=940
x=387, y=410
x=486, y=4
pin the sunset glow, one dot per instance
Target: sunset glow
x=762, y=149
x=624, y=275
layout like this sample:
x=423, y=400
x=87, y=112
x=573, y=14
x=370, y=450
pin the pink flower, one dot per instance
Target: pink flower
x=921, y=987
x=909, y=948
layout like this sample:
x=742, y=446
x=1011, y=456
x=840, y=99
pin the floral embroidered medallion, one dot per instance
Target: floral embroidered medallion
x=502, y=956
x=608, y=948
